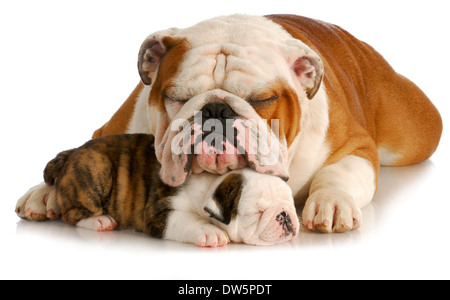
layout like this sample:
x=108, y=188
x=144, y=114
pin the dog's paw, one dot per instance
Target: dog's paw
x=211, y=236
x=98, y=223
x=331, y=211
x=39, y=204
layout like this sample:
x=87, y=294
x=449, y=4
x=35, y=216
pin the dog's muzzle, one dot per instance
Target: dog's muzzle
x=217, y=150
x=218, y=138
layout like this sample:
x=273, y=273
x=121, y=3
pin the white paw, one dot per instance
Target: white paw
x=98, y=223
x=211, y=236
x=331, y=211
x=39, y=204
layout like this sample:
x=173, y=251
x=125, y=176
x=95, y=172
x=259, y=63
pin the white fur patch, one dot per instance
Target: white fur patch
x=310, y=149
x=98, y=223
x=388, y=158
x=139, y=122
x=188, y=227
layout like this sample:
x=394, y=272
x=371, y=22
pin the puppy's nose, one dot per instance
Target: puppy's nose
x=217, y=110
x=285, y=221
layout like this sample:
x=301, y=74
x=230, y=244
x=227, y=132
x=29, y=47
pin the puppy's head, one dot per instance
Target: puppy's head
x=253, y=208
x=225, y=94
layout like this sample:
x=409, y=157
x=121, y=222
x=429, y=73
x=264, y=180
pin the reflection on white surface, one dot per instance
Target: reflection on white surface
x=393, y=183
x=401, y=236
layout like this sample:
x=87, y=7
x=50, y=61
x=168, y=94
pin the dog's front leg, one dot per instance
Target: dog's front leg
x=189, y=227
x=337, y=194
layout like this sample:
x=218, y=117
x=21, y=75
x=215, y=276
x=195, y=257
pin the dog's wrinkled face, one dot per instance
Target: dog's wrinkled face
x=253, y=208
x=225, y=94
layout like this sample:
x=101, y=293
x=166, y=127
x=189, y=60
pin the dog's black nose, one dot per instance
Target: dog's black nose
x=285, y=221
x=218, y=110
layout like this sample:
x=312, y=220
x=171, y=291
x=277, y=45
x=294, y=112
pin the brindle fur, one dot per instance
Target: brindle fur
x=117, y=175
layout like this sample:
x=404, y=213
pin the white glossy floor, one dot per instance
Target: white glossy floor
x=54, y=95
x=404, y=235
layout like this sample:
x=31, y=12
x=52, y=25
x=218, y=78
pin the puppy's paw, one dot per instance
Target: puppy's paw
x=39, y=204
x=98, y=223
x=331, y=211
x=211, y=236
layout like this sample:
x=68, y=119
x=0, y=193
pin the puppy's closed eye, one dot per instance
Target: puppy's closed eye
x=210, y=213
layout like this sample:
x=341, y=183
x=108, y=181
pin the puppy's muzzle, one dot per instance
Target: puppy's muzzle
x=279, y=223
x=285, y=222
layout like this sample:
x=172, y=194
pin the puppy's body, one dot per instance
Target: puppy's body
x=114, y=175
x=115, y=180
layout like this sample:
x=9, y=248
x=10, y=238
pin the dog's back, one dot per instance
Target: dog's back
x=366, y=92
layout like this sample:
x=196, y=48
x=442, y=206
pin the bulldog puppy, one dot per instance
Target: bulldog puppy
x=323, y=108
x=248, y=207
x=114, y=181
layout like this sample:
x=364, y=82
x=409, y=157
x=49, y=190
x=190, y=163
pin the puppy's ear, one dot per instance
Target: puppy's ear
x=223, y=205
x=152, y=51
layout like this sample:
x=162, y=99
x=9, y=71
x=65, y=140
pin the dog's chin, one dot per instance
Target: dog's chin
x=217, y=161
x=270, y=235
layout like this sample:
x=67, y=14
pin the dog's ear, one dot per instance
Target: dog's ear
x=223, y=204
x=307, y=66
x=152, y=51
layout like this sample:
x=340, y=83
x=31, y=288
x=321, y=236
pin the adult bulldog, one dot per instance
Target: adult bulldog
x=341, y=110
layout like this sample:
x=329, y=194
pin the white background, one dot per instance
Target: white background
x=67, y=66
